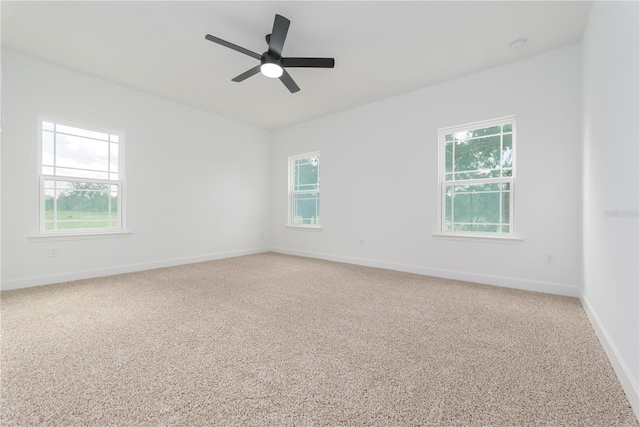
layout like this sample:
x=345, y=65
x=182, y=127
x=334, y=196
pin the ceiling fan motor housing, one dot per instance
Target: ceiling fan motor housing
x=272, y=59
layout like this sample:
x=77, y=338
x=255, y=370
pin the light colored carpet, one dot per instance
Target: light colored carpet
x=272, y=339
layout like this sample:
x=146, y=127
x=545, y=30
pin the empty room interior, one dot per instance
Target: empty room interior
x=320, y=213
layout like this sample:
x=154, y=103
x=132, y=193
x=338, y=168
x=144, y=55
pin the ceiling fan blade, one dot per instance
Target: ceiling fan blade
x=288, y=82
x=309, y=62
x=232, y=46
x=255, y=70
x=278, y=35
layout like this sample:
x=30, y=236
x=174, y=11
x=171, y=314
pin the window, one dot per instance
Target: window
x=477, y=172
x=304, y=190
x=80, y=179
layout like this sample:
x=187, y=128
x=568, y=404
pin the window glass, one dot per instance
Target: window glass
x=306, y=174
x=306, y=208
x=477, y=177
x=81, y=189
x=304, y=190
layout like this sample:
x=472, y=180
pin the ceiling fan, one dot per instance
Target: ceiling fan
x=272, y=64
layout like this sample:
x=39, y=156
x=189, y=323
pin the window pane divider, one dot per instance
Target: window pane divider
x=480, y=181
x=305, y=191
x=75, y=179
x=77, y=169
x=93, y=138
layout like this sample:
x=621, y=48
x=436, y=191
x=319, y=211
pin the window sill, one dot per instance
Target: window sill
x=479, y=238
x=56, y=237
x=304, y=227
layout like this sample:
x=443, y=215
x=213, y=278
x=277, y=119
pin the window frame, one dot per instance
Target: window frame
x=42, y=177
x=292, y=192
x=443, y=184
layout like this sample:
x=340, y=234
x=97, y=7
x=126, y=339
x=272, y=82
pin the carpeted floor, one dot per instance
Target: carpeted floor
x=272, y=339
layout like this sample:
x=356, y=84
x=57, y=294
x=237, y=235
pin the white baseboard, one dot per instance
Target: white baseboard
x=529, y=285
x=507, y=282
x=629, y=384
x=109, y=271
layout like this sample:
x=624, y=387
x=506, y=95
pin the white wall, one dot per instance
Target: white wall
x=197, y=185
x=380, y=184
x=611, y=99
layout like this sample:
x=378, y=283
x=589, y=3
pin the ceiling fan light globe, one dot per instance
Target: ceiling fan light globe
x=271, y=70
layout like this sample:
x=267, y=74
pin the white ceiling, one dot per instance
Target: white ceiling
x=381, y=48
